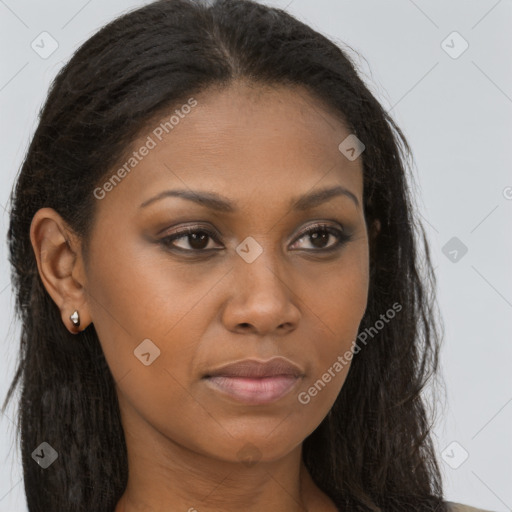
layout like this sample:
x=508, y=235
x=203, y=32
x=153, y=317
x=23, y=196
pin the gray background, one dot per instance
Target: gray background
x=455, y=112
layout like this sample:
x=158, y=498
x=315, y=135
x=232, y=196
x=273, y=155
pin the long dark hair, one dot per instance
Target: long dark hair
x=374, y=450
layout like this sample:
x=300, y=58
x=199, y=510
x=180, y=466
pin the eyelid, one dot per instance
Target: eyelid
x=338, y=231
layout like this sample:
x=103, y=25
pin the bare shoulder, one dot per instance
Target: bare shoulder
x=459, y=507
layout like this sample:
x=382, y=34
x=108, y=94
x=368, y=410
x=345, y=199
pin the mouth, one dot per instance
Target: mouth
x=254, y=391
x=252, y=368
x=254, y=382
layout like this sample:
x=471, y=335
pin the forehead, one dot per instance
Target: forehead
x=243, y=141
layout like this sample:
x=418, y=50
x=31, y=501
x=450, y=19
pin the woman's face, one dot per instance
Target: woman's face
x=168, y=312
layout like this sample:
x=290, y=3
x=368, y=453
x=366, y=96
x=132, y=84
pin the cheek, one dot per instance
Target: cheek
x=139, y=306
x=336, y=295
x=148, y=321
x=336, y=306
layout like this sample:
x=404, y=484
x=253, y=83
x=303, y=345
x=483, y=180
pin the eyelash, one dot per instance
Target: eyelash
x=342, y=237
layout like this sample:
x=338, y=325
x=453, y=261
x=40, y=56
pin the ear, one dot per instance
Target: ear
x=373, y=235
x=375, y=230
x=59, y=261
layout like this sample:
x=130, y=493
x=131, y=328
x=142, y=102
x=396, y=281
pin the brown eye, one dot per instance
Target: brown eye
x=195, y=237
x=320, y=235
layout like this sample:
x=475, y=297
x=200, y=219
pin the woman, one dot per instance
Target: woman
x=214, y=254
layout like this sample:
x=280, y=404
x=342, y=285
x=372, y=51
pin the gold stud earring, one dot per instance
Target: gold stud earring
x=75, y=318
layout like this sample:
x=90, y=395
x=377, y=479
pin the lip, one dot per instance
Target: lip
x=254, y=391
x=255, y=382
x=252, y=368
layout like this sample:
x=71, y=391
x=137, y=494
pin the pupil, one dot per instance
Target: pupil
x=319, y=239
x=198, y=241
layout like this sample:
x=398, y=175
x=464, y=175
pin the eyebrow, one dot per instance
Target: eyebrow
x=219, y=203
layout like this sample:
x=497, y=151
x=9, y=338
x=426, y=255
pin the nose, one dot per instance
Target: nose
x=263, y=300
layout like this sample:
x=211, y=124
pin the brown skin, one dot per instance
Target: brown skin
x=259, y=147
